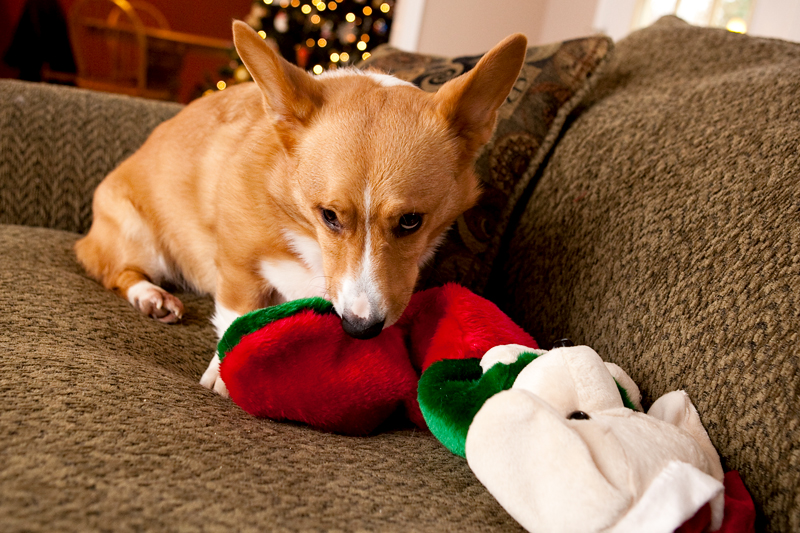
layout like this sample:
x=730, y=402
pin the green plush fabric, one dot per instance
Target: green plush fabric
x=626, y=399
x=260, y=318
x=452, y=391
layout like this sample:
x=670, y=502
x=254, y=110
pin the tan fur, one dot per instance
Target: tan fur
x=214, y=190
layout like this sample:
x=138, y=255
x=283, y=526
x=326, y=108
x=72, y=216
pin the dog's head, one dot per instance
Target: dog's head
x=380, y=168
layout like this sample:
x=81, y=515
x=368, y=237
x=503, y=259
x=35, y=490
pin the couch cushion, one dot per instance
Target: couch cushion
x=104, y=427
x=57, y=143
x=665, y=233
x=554, y=79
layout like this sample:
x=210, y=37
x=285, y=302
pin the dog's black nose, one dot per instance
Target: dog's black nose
x=360, y=328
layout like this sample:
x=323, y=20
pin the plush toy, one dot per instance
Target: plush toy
x=557, y=437
x=294, y=361
x=560, y=440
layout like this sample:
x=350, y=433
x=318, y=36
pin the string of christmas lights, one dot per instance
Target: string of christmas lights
x=316, y=35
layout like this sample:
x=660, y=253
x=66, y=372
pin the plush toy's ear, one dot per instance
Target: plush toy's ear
x=631, y=396
x=677, y=408
x=570, y=379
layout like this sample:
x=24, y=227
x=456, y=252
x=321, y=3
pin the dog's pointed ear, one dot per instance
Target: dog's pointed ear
x=289, y=92
x=470, y=101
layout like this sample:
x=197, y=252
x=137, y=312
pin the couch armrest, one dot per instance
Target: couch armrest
x=664, y=233
x=57, y=143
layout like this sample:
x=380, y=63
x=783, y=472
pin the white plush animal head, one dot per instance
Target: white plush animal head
x=560, y=452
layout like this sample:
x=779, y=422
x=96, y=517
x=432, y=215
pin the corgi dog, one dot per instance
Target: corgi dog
x=292, y=186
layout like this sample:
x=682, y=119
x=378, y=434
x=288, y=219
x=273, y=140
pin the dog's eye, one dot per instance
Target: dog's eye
x=330, y=219
x=409, y=223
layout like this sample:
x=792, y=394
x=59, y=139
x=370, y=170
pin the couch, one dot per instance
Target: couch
x=641, y=197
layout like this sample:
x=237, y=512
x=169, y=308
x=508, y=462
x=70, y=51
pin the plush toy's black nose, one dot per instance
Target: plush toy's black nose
x=360, y=328
x=563, y=343
x=579, y=415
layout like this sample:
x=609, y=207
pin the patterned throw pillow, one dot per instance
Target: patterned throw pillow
x=554, y=79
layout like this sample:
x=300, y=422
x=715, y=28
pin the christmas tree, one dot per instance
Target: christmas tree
x=316, y=35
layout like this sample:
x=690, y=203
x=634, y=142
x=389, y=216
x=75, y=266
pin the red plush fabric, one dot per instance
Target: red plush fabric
x=740, y=512
x=305, y=368
x=452, y=322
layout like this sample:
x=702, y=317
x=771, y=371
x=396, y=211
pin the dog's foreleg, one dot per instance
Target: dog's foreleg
x=239, y=291
x=222, y=319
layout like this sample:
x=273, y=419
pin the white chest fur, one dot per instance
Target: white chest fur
x=303, y=278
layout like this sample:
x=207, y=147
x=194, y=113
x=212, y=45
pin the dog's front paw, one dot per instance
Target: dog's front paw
x=155, y=302
x=211, y=379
